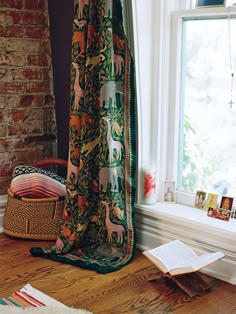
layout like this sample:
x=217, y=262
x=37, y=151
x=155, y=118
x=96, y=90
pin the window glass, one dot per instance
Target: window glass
x=207, y=140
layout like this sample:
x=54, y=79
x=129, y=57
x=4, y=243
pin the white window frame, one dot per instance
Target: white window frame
x=152, y=35
x=175, y=89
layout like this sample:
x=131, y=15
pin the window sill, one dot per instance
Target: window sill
x=163, y=222
x=188, y=214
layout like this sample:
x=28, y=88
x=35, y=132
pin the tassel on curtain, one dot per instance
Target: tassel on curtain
x=98, y=229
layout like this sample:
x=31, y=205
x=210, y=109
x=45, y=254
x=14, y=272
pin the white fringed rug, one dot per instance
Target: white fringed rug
x=30, y=300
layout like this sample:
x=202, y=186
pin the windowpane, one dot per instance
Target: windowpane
x=207, y=142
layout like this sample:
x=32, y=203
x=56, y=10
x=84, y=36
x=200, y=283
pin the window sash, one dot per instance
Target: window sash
x=175, y=88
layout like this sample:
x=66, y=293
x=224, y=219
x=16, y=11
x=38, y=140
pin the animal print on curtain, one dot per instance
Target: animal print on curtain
x=98, y=219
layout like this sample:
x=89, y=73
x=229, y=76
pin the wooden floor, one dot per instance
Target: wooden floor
x=125, y=291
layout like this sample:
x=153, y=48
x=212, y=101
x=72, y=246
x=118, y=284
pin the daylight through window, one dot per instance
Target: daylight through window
x=207, y=141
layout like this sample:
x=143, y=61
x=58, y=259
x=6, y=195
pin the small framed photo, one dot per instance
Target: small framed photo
x=169, y=191
x=200, y=199
x=210, y=3
x=218, y=213
x=226, y=203
x=211, y=201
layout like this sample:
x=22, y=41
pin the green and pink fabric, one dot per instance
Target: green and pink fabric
x=98, y=229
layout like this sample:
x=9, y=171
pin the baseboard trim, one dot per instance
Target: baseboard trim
x=155, y=227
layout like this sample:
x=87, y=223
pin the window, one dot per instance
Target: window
x=203, y=142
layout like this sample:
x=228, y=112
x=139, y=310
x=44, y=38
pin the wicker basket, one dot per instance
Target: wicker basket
x=34, y=218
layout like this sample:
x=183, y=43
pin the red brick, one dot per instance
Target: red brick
x=36, y=32
x=11, y=4
x=34, y=4
x=31, y=101
x=14, y=31
x=24, y=18
x=11, y=145
x=6, y=170
x=24, y=129
x=17, y=116
x=11, y=88
x=19, y=144
x=30, y=155
x=25, y=85
x=28, y=75
x=2, y=31
x=39, y=60
x=40, y=87
x=4, y=145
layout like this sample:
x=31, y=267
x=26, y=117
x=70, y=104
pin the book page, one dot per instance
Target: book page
x=199, y=262
x=173, y=254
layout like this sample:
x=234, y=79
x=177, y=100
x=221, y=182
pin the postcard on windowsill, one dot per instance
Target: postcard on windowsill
x=169, y=191
x=226, y=203
x=200, y=199
x=211, y=201
x=219, y=213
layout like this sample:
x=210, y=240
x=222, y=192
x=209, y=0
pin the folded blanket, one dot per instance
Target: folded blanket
x=30, y=181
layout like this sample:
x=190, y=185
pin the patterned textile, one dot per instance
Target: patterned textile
x=98, y=229
x=30, y=297
x=30, y=181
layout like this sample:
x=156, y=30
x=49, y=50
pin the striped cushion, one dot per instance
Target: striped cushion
x=30, y=181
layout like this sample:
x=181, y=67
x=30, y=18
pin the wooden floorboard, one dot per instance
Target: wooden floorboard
x=128, y=290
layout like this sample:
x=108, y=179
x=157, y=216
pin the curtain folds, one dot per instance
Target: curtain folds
x=98, y=230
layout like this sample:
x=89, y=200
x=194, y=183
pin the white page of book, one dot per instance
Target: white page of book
x=173, y=254
x=200, y=261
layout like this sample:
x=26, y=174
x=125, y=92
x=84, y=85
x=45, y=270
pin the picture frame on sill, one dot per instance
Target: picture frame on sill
x=210, y=3
x=200, y=199
x=226, y=203
x=169, y=191
x=222, y=214
x=211, y=201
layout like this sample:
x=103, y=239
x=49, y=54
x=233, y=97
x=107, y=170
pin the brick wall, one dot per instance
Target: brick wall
x=27, y=107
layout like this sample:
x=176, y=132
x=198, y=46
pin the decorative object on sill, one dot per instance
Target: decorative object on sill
x=222, y=214
x=32, y=217
x=210, y=3
x=226, y=202
x=149, y=184
x=200, y=199
x=233, y=212
x=211, y=201
x=169, y=191
x=232, y=61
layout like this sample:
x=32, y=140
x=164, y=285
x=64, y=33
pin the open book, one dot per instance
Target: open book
x=177, y=258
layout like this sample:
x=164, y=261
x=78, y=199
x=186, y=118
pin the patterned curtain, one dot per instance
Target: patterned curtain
x=98, y=219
